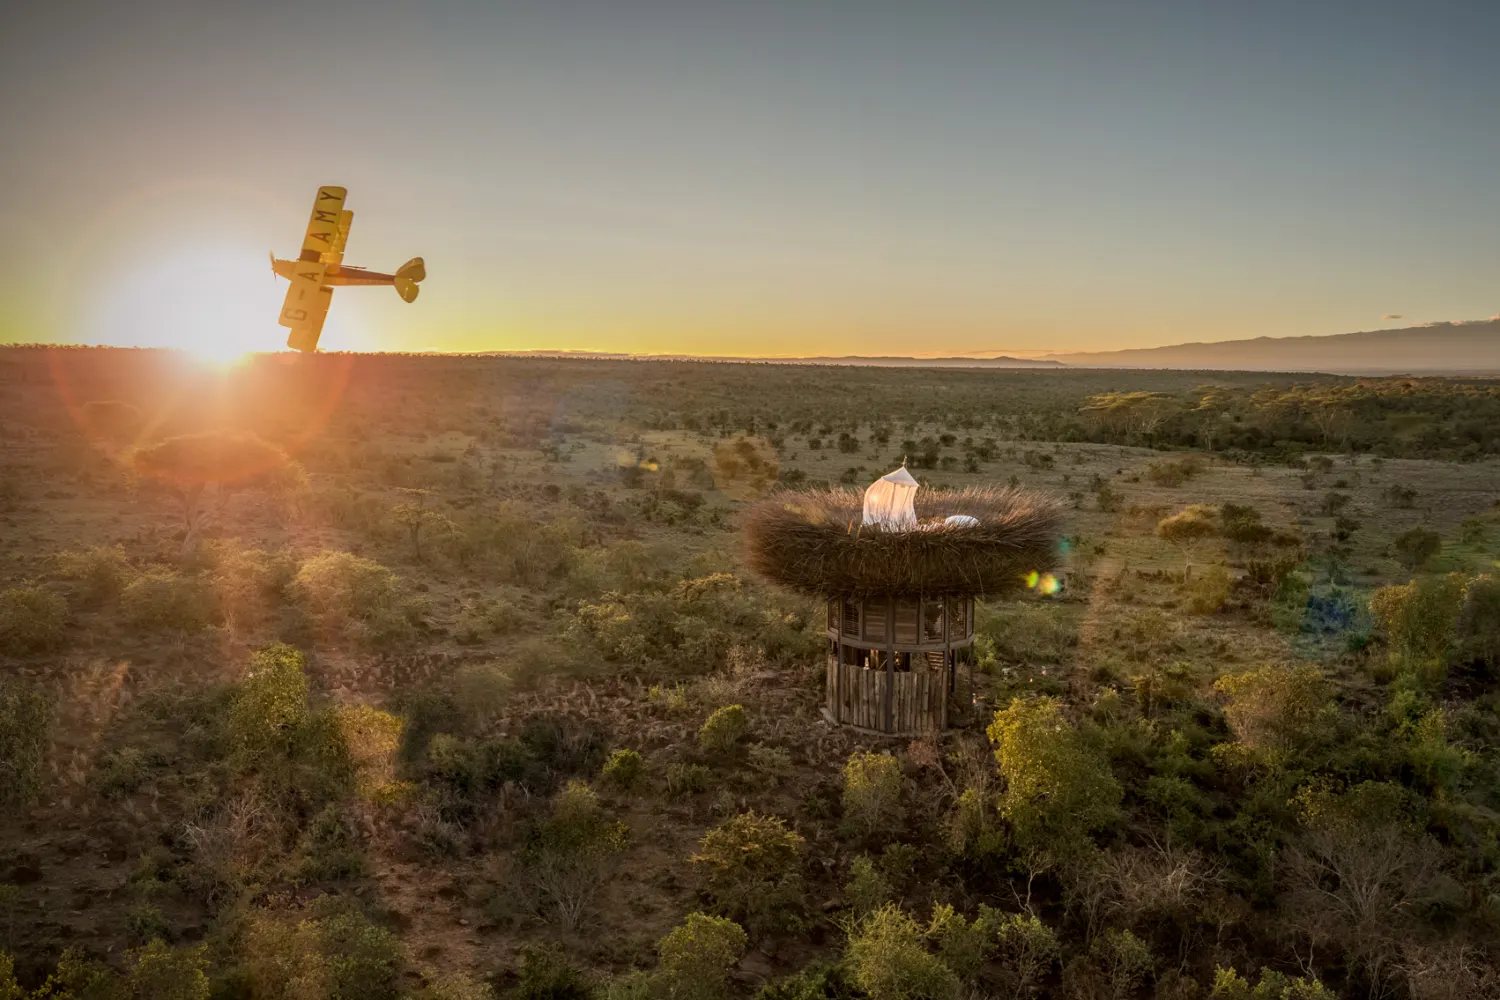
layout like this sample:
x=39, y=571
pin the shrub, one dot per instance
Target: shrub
x=1415, y=548
x=1277, y=711
x=888, y=960
x=768, y=759
x=1029, y=949
x=546, y=975
x=164, y=973
x=566, y=855
x=370, y=739
x=295, y=753
x=164, y=599
x=483, y=689
x=111, y=420
x=723, y=729
x=25, y=716
x=873, y=784
x=100, y=572
x=752, y=870
x=1418, y=620
x=625, y=769
x=867, y=889
x=1056, y=790
x=1477, y=631
x=1173, y=472
x=822, y=981
x=1123, y=961
x=964, y=945
x=687, y=779
x=340, y=956
x=696, y=956
x=250, y=582
x=458, y=986
x=1207, y=592
x=343, y=589
x=32, y=620
x=1230, y=985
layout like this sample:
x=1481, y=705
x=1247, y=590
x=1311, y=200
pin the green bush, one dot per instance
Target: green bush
x=337, y=956
x=567, y=854
x=164, y=599
x=867, y=888
x=250, y=582
x=25, y=716
x=964, y=945
x=164, y=973
x=752, y=871
x=1230, y=985
x=723, y=729
x=1057, y=791
x=101, y=573
x=342, y=590
x=696, y=956
x=873, y=787
x=546, y=975
x=1208, y=590
x=1276, y=711
x=457, y=986
x=32, y=620
x=273, y=734
x=1418, y=620
x=1029, y=949
x=888, y=961
x=822, y=981
x=625, y=769
x=1477, y=631
x=1116, y=966
x=687, y=779
x=1417, y=547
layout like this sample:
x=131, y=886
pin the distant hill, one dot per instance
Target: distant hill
x=1440, y=348
x=876, y=362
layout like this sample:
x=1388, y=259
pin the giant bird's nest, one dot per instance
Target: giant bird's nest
x=814, y=541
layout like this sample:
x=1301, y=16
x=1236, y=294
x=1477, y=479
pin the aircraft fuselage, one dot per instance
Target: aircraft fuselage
x=338, y=274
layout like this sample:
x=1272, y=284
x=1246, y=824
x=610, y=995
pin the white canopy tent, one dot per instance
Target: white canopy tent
x=889, y=501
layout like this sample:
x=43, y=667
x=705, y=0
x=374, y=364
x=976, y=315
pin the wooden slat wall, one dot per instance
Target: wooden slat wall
x=857, y=696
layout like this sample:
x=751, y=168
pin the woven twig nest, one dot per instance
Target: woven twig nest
x=814, y=541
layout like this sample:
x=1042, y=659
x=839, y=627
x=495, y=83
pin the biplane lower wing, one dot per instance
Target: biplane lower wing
x=306, y=305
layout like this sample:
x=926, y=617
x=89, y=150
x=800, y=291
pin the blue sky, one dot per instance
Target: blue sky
x=760, y=178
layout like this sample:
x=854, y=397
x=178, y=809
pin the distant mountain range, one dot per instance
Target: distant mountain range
x=1438, y=348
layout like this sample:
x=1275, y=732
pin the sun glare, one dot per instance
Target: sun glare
x=218, y=304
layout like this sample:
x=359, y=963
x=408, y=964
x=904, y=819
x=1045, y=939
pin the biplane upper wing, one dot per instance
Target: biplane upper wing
x=323, y=228
x=306, y=305
x=334, y=255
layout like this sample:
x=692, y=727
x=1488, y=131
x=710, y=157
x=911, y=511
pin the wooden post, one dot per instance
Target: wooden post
x=838, y=663
x=947, y=663
x=890, y=661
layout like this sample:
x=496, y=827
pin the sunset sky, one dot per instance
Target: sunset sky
x=757, y=178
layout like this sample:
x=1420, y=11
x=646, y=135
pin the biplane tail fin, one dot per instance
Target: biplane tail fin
x=407, y=277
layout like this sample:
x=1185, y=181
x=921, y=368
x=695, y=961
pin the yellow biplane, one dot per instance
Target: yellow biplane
x=320, y=267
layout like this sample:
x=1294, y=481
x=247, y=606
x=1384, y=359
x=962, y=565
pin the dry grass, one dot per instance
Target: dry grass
x=813, y=541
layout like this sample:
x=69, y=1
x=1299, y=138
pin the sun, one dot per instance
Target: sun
x=218, y=304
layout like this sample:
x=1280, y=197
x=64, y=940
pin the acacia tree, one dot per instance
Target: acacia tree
x=1187, y=529
x=203, y=471
x=415, y=516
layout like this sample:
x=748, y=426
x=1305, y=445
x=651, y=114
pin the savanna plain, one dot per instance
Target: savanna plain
x=434, y=677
